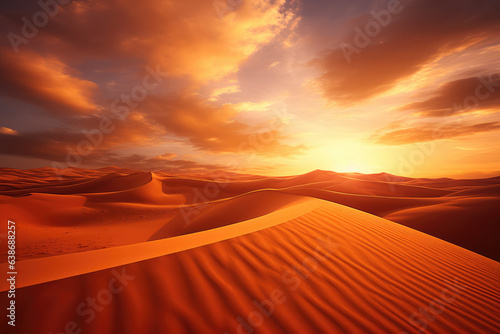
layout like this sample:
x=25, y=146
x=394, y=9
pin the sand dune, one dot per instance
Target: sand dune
x=331, y=269
x=47, y=269
x=107, y=183
x=221, y=213
x=136, y=204
x=316, y=180
x=217, y=253
x=472, y=223
x=148, y=191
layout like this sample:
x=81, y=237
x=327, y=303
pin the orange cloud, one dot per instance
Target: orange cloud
x=166, y=156
x=8, y=131
x=431, y=131
x=474, y=93
x=182, y=118
x=117, y=40
x=216, y=129
x=186, y=38
x=46, y=82
x=420, y=32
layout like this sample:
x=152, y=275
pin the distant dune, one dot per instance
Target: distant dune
x=131, y=206
x=233, y=253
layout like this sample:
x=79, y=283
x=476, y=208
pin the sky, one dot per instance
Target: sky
x=407, y=87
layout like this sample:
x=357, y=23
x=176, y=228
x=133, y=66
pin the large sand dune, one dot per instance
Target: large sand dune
x=331, y=269
x=130, y=206
x=119, y=251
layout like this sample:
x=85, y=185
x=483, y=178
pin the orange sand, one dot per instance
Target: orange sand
x=208, y=251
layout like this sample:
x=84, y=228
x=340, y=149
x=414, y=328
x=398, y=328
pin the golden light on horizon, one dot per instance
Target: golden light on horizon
x=208, y=82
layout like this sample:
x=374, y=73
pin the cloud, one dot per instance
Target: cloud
x=8, y=131
x=459, y=96
x=224, y=90
x=48, y=145
x=216, y=129
x=45, y=82
x=83, y=137
x=187, y=38
x=166, y=156
x=74, y=64
x=168, y=165
x=425, y=132
x=64, y=149
x=276, y=63
x=158, y=120
x=422, y=31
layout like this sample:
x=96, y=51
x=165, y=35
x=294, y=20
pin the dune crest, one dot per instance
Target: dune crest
x=332, y=269
x=125, y=206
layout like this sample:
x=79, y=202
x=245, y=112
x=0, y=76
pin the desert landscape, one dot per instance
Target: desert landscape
x=122, y=251
x=250, y=167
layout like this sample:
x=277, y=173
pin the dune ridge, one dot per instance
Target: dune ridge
x=130, y=206
x=46, y=269
x=336, y=270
